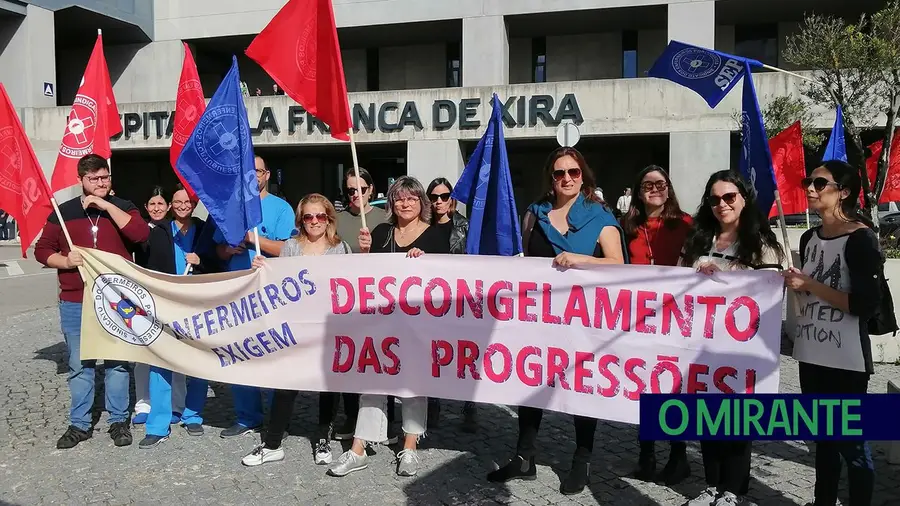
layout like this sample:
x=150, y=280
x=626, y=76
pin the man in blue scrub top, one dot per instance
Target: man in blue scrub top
x=277, y=226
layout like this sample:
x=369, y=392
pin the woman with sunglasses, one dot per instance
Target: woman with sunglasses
x=409, y=231
x=348, y=220
x=173, y=245
x=841, y=271
x=455, y=227
x=656, y=229
x=316, y=221
x=729, y=234
x=574, y=228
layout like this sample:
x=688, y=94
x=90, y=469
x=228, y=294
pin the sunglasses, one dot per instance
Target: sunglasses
x=818, y=183
x=560, y=174
x=443, y=197
x=649, y=186
x=313, y=218
x=728, y=198
x=352, y=191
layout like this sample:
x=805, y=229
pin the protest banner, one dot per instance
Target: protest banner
x=481, y=328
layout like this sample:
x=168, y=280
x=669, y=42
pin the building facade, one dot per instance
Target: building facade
x=421, y=74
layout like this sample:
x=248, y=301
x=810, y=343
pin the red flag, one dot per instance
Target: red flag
x=790, y=168
x=891, y=191
x=299, y=49
x=189, y=106
x=93, y=120
x=23, y=190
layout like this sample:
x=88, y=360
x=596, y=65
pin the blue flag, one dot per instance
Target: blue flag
x=711, y=74
x=756, y=159
x=837, y=145
x=485, y=186
x=218, y=162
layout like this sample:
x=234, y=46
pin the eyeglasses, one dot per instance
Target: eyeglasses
x=818, y=183
x=560, y=174
x=181, y=203
x=649, y=186
x=97, y=179
x=715, y=200
x=410, y=201
x=443, y=197
x=260, y=172
x=315, y=218
x=352, y=191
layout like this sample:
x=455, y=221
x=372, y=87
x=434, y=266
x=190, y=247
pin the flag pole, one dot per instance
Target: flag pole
x=798, y=76
x=256, y=238
x=108, y=160
x=187, y=270
x=784, y=235
x=362, y=210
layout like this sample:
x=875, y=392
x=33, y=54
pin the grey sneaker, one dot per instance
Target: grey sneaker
x=261, y=455
x=407, y=462
x=706, y=498
x=729, y=499
x=347, y=463
x=323, y=452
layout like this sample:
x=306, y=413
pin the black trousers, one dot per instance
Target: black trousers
x=816, y=379
x=328, y=407
x=530, y=424
x=283, y=409
x=727, y=465
x=648, y=448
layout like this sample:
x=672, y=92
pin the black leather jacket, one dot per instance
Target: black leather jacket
x=458, y=234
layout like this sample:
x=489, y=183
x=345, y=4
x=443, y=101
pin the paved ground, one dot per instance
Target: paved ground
x=207, y=470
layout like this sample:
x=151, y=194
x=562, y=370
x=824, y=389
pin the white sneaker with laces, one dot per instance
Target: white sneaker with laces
x=407, y=462
x=347, y=463
x=260, y=455
x=323, y=452
x=706, y=498
x=729, y=499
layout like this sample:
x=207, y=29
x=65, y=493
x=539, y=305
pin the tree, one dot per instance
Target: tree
x=782, y=112
x=857, y=67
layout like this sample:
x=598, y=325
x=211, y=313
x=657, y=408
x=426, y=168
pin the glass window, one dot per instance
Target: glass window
x=454, y=64
x=539, y=59
x=629, y=53
x=759, y=42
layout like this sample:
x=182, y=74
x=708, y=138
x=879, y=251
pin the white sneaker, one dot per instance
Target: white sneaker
x=323, y=452
x=706, y=498
x=260, y=455
x=347, y=463
x=729, y=499
x=407, y=462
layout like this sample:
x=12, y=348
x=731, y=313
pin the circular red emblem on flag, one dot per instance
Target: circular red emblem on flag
x=306, y=52
x=10, y=160
x=186, y=112
x=79, y=137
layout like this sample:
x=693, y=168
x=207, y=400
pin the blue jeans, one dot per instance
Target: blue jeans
x=81, y=375
x=161, y=401
x=248, y=404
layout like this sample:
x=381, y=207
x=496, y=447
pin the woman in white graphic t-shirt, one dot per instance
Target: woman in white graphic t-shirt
x=838, y=289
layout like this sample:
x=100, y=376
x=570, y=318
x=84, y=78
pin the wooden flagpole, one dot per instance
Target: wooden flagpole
x=362, y=210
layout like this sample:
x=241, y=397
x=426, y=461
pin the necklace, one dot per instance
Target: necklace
x=649, y=244
x=94, y=227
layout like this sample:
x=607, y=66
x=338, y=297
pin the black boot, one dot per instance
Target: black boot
x=677, y=468
x=517, y=469
x=579, y=474
x=646, y=469
x=470, y=419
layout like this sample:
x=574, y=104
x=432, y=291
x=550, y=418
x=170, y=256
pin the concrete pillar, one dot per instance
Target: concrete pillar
x=693, y=156
x=146, y=72
x=426, y=160
x=693, y=23
x=29, y=58
x=485, y=51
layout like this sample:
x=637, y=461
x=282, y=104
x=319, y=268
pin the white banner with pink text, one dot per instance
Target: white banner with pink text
x=502, y=330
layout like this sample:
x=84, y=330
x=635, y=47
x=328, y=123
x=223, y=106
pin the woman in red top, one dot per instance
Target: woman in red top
x=656, y=228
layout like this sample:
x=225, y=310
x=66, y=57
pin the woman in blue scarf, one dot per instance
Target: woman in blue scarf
x=575, y=228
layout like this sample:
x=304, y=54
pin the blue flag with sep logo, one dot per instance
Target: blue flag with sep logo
x=218, y=162
x=485, y=187
x=756, y=159
x=711, y=74
x=837, y=145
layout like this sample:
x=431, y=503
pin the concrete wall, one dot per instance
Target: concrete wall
x=427, y=160
x=28, y=57
x=584, y=57
x=355, y=71
x=412, y=67
x=485, y=51
x=145, y=72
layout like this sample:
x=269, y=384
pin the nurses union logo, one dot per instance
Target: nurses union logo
x=306, y=53
x=222, y=137
x=186, y=112
x=692, y=63
x=10, y=160
x=79, y=137
x=126, y=309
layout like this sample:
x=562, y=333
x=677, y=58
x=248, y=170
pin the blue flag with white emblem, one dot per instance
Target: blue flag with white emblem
x=837, y=145
x=218, y=162
x=485, y=187
x=711, y=74
x=756, y=159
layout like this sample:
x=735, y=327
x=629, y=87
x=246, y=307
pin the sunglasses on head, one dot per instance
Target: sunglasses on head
x=443, y=197
x=310, y=218
x=728, y=198
x=560, y=174
x=352, y=191
x=649, y=186
x=818, y=183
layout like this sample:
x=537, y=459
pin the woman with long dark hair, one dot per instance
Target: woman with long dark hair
x=574, y=227
x=840, y=269
x=656, y=229
x=729, y=234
